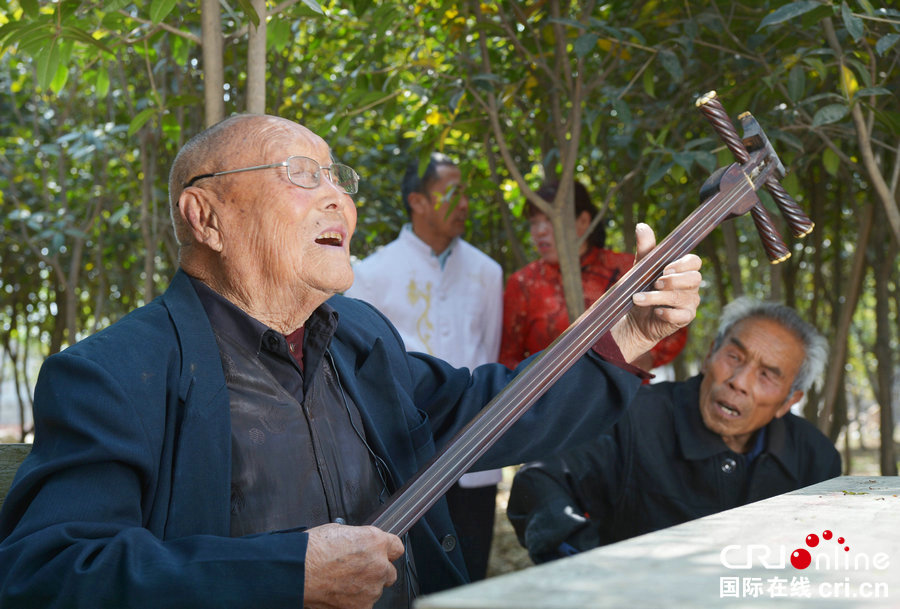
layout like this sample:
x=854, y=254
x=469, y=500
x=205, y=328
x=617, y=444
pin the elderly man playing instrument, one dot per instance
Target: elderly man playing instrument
x=224, y=445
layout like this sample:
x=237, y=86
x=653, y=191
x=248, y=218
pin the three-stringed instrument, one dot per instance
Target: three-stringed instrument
x=729, y=192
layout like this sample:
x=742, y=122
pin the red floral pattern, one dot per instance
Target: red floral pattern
x=534, y=307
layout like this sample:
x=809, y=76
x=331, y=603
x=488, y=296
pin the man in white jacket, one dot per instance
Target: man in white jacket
x=446, y=299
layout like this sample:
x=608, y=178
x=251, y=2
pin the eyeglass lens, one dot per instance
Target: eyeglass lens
x=306, y=173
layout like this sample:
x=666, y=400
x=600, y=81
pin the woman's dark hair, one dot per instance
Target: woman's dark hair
x=583, y=203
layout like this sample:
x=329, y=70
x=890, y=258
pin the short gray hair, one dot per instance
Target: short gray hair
x=814, y=344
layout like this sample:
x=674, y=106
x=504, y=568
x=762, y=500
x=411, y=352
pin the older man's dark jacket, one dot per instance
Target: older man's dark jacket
x=124, y=500
x=659, y=467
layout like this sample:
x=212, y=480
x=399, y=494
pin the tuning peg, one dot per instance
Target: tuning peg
x=774, y=245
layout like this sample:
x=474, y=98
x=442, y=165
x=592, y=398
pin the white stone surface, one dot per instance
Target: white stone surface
x=692, y=564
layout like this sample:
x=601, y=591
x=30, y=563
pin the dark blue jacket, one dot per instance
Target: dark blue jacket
x=124, y=500
x=660, y=466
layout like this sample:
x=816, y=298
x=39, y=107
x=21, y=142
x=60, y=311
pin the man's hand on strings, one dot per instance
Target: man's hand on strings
x=670, y=304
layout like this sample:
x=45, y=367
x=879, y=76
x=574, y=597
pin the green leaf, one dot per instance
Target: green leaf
x=279, y=34
x=831, y=161
x=102, y=84
x=656, y=174
x=140, y=120
x=783, y=136
x=816, y=64
x=30, y=7
x=120, y=213
x=66, y=10
x=361, y=6
x=671, y=64
x=585, y=43
x=160, y=9
x=565, y=21
x=873, y=91
x=796, y=84
x=890, y=120
x=47, y=63
x=885, y=43
x=787, y=12
x=706, y=160
x=248, y=9
x=314, y=6
x=180, y=50
x=7, y=30
x=684, y=159
x=36, y=41
x=16, y=32
x=853, y=23
x=174, y=101
x=171, y=127
x=831, y=113
x=73, y=33
x=623, y=111
x=649, y=84
x=60, y=78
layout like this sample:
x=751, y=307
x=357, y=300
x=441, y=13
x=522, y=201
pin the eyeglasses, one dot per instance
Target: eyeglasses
x=303, y=172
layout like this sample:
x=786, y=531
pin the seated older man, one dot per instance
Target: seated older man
x=224, y=445
x=684, y=450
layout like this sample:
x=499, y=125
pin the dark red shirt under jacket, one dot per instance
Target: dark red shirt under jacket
x=534, y=307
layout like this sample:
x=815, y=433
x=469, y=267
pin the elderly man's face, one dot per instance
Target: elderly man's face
x=298, y=238
x=747, y=381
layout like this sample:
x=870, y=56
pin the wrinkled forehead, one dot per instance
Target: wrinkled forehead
x=282, y=138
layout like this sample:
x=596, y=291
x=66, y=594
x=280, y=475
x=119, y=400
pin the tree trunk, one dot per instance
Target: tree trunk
x=776, y=279
x=256, y=62
x=710, y=249
x=515, y=246
x=835, y=371
x=148, y=168
x=563, y=220
x=884, y=355
x=213, y=68
x=880, y=188
x=817, y=211
x=732, y=258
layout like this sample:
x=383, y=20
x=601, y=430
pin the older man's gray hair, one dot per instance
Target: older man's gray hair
x=814, y=344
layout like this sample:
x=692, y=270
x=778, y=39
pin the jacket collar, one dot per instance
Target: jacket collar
x=195, y=336
x=696, y=442
x=422, y=249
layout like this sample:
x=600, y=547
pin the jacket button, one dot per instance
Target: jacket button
x=448, y=543
x=271, y=341
x=729, y=465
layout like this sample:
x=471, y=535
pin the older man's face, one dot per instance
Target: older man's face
x=747, y=381
x=298, y=238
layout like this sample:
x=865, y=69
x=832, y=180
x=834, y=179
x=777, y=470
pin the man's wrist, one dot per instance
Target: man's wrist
x=609, y=351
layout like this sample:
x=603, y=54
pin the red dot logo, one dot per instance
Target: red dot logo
x=812, y=540
x=840, y=540
x=826, y=535
x=800, y=558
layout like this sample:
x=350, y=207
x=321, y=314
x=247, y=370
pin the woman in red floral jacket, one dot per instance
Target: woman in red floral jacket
x=534, y=307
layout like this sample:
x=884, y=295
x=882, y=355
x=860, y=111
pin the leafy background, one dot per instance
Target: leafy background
x=97, y=97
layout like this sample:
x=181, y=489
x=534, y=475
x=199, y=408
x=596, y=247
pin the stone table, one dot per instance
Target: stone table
x=745, y=558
